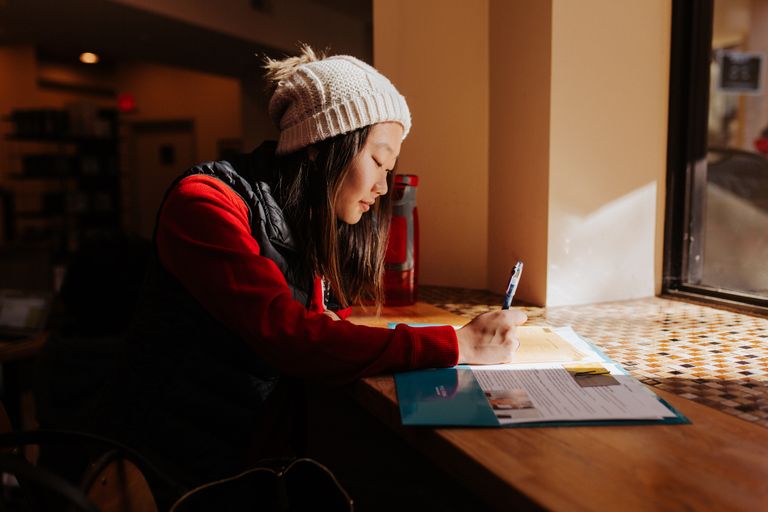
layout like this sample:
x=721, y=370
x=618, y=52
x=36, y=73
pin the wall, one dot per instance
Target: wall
x=576, y=154
x=436, y=53
x=520, y=75
x=608, y=123
x=212, y=103
x=164, y=92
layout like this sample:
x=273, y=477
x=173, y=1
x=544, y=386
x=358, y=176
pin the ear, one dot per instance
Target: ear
x=312, y=152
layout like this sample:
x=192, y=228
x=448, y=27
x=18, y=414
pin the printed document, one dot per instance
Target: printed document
x=569, y=381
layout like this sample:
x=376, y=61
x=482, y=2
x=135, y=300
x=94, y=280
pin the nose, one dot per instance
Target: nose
x=380, y=187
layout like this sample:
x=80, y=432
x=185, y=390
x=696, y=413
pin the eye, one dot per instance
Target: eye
x=378, y=164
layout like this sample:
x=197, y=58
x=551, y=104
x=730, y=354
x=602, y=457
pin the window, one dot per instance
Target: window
x=716, y=238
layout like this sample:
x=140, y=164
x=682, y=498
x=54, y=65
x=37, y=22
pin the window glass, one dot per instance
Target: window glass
x=727, y=246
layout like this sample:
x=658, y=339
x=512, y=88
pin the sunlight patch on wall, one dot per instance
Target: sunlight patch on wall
x=605, y=255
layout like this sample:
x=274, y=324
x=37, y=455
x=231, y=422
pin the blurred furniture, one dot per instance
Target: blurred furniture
x=64, y=175
x=735, y=213
x=743, y=173
x=17, y=363
x=115, y=478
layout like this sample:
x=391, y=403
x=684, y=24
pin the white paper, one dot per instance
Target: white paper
x=532, y=392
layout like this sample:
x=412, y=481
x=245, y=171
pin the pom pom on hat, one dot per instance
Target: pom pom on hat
x=318, y=98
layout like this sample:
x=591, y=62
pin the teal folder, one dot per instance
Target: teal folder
x=443, y=396
x=452, y=397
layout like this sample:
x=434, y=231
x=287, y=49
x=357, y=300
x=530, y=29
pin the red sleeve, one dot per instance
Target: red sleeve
x=344, y=313
x=204, y=240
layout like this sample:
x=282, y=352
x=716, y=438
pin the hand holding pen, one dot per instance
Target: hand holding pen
x=491, y=337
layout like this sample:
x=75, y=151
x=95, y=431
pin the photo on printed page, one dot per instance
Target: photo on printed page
x=511, y=404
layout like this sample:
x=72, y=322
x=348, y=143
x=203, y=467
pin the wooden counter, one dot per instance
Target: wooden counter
x=717, y=463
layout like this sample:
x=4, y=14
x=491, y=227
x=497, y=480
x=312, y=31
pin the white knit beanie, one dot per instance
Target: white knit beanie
x=316, y=99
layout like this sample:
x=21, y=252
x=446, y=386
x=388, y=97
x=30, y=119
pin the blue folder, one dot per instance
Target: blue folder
x=452, y=397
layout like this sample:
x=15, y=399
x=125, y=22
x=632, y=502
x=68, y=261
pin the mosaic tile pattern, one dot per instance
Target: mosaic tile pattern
x=714, y=357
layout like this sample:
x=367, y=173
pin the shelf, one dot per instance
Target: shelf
x=61, y=185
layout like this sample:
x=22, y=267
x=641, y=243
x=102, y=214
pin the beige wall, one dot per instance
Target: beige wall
x=607, y=149
x=520, y=47
x=436, y=53
x=576, y=153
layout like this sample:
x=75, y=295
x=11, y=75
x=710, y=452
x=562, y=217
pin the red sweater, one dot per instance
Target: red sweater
x=204, y=240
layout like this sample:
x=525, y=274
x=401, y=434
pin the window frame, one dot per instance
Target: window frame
x=691, y=48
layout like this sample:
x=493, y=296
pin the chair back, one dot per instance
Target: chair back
x=115, y=484
x=300, y=485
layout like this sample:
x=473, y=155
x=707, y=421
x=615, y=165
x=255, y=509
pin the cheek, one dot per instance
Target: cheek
x=346, y=200
x=354, y=184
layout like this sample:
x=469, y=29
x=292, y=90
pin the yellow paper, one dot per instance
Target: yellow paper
x=588, y=368
x=543, y=345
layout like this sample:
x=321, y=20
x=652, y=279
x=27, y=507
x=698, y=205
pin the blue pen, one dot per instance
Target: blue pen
x=514, y=278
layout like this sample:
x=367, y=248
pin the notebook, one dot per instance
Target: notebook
x=23, y=313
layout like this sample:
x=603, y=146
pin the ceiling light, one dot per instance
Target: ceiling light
x=89, y=58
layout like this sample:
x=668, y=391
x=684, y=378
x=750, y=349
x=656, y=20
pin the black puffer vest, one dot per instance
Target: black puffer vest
x=197, y=389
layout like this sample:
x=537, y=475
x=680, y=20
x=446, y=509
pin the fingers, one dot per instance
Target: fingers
x=514, y=319
x=515, y=343
x=490, y=337
x=515, y=316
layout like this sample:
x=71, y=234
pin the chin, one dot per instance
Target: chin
x=351, y=219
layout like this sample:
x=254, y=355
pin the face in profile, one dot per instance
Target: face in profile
x=367, y=176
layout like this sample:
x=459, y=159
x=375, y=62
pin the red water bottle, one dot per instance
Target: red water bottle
x=401, y=261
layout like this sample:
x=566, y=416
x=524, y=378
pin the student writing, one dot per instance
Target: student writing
x=257, y=261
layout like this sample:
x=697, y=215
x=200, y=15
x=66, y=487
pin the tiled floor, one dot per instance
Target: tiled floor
x=714, y=357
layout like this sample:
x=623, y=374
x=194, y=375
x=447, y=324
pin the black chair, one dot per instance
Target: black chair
x=278, y=485
x=117, y=478
x=30, y=483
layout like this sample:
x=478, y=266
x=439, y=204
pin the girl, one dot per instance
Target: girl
x=257, y=261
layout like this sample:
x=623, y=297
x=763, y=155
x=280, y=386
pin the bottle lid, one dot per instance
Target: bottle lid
x=407, y=179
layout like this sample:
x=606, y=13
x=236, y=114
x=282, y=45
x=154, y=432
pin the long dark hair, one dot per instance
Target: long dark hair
x=349, y=256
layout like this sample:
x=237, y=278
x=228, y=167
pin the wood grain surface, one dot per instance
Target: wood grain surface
x=717, y=463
